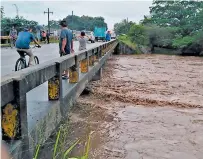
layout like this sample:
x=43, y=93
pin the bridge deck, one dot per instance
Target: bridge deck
x=26, y=93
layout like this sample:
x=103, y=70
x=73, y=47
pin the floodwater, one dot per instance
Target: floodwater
x=145, y=107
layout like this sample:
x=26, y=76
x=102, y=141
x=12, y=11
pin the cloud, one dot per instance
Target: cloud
x=113, y=11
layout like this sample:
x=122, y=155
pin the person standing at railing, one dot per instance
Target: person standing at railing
x=65, y=43
x=108, y=36
x=82, y=41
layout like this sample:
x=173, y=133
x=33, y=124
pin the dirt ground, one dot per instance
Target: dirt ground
x=145, y=107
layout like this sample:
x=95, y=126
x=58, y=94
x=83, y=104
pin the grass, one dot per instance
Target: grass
x=59, y=152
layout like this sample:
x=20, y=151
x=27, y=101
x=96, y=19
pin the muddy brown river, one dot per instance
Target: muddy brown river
x=144, y=107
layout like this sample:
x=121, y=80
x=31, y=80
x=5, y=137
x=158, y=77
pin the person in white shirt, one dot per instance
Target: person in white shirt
x=82, y=41
x=55, y=34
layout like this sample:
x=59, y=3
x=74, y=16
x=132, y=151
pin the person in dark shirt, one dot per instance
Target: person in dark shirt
x=65, y=43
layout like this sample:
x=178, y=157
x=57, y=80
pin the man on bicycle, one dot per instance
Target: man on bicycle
x=13, y=35
x=23, y=43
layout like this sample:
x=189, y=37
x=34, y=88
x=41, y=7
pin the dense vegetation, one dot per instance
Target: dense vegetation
x=84, y=22
x=18, y=22
x=80, y=23
x=171, y=24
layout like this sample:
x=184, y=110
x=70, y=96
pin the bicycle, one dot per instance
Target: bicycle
x=21, y=62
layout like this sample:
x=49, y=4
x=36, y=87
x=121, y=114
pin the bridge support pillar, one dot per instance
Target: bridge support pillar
x=98, y=75
x=74, y=72
x=55, y=85
x=84, y=66
x=14, y=121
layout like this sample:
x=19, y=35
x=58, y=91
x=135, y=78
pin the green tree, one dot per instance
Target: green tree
x=123, y=27
x=84, y=22
x=138, y=34
x=18, y=22
x=146, y=21
x=54, y=24
x=184, y=14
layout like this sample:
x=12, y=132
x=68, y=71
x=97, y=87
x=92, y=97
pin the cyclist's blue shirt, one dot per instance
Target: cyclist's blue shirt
x=24, y=39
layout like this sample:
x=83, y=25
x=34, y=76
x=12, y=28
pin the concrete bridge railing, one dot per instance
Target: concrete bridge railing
x=82, y=66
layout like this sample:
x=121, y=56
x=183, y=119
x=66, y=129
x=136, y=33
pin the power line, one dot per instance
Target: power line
x=48, y=18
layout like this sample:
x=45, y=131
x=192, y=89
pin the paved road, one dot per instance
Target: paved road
x=37, y=99
x=45, y=53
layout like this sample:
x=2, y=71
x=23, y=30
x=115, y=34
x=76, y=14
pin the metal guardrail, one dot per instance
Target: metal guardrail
x=15, y=86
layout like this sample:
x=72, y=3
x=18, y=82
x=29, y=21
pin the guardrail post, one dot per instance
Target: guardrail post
x=108, y=47
x=21, y=102
x=84, y=64
x=91, y=59
x=99, y=51
x=103, y=50
x=74, y=72
x=55, y=84
x=14, y=119
x=96, y=55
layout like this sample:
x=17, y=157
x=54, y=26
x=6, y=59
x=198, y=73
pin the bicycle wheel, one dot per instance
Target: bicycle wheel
x=36, y=60
x=20, y=64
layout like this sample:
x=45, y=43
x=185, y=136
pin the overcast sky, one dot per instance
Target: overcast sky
x=113, y=11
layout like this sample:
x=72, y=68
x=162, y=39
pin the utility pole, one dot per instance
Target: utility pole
x=72, y=22
x=16, y=10
x=72, y=17
x=48, y=19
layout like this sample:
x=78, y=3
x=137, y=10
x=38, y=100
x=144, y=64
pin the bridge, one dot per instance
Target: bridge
x=28, y=120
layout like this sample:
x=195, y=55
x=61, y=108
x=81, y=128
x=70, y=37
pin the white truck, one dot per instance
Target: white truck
x=113, y=35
